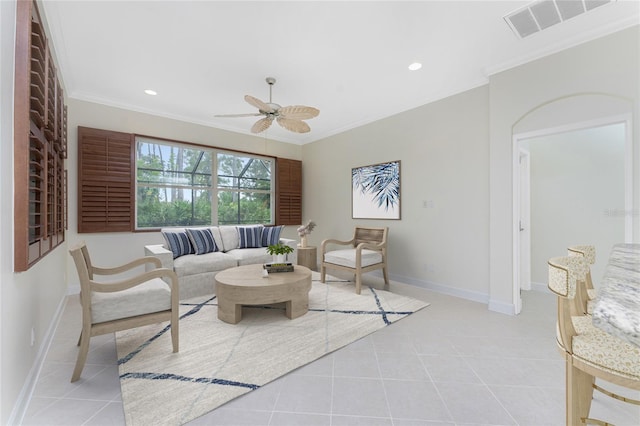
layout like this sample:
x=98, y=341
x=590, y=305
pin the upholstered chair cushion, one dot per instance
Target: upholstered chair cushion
x=347, y=257
x=608, y=352
x=151, y=296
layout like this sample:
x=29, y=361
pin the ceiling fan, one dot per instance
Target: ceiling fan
x=289, y=117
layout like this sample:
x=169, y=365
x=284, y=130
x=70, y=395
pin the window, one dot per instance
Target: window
x=176, y=183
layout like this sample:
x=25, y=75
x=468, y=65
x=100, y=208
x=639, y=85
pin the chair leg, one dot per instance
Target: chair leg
x=386, y=277
x=579, y=394
x=358, y=283
x=79, y=338
x=323, y=272
x=82, y=355
x=174, y=333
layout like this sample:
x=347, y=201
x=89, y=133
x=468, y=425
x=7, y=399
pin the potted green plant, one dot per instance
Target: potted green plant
x=279, y=251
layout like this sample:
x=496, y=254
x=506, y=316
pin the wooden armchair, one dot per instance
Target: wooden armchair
x=368, y=252
x=110, y=306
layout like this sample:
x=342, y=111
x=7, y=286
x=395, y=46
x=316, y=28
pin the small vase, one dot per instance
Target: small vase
x=278, y=258
x=303, y=241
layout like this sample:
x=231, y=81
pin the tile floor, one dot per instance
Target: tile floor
x=453, y=363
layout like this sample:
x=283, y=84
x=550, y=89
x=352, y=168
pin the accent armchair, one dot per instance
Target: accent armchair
x=110, y=306
x=368, y=252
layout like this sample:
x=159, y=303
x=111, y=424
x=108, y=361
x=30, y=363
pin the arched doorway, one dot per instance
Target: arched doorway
x=584, y=144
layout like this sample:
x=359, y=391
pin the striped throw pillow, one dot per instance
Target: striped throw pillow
x=271, y=235
x=250, y=236
x=178, y=243
x=202, y=240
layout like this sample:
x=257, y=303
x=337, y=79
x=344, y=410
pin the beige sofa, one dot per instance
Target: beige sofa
x=196, y=272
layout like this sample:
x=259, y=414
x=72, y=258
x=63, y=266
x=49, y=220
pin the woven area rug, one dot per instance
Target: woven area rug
x=218, y=362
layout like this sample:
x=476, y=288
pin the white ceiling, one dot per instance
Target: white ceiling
x=347, y=58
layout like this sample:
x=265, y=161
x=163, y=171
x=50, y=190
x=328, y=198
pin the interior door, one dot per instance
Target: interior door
x=525, y=221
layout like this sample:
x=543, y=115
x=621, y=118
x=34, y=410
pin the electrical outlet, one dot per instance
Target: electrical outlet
x=33, y=336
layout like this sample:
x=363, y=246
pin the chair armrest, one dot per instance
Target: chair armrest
x=122, y=268
x=325, y=243
x=114, y=286
x=371, y=246
x=159, y=251
x=293, y=256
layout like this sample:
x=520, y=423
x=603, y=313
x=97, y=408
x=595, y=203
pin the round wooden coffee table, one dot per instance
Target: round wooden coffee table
x=244, y=285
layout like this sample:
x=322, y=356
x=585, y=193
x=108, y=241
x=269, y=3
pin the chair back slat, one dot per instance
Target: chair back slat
x=80, y=255
x=588, y=252
x=564, y=273
x=370, y=235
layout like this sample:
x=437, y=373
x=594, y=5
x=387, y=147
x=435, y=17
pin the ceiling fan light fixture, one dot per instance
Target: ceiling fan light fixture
x=415, y=66
x=289, y=117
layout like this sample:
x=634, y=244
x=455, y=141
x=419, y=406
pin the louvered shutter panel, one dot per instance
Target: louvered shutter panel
x=288, y=192
x=105, y=181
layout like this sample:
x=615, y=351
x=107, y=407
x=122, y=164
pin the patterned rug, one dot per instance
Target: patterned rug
x=218, y=362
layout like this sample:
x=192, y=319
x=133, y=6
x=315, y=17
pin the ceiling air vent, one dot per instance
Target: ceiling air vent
x=542, y=14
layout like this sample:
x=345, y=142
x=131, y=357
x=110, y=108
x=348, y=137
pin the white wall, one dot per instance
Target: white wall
x=577, y=195
x=444, y=150
x=608, y=66
x=29, y=300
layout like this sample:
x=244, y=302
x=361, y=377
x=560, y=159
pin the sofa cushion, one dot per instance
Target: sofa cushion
x=209, y=262
x=250, y=236
x=202, y=240
x=347, y=257
x=229, y=236
x=151, y=296
x=250, y=256
x=178, y=242
x=271, y=235
x=215, y=231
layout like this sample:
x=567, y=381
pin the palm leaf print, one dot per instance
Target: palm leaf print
x=382, y=181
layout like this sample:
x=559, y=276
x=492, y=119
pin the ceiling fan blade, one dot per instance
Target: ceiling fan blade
x=258, y=103
x=293, y=125
x=299, y=112
x=253, y=114
x=261, y=125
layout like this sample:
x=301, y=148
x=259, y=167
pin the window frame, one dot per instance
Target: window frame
x=214, y=188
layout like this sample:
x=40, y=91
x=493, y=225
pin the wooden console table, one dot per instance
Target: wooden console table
x=308, y=256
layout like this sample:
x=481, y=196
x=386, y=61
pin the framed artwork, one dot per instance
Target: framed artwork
x=375, y=191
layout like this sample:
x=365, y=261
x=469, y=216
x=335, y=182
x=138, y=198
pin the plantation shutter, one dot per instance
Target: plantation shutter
x=105, y=181
x=288, y=192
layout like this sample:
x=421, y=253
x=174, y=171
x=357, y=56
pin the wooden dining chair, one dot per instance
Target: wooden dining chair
x=591, y=353
x=110, y=306
x=368, y=252
x=586, y=293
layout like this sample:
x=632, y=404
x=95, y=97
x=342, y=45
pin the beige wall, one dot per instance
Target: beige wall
x=444, y=150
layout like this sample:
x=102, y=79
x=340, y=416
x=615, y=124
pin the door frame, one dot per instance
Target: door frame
x=625, y=119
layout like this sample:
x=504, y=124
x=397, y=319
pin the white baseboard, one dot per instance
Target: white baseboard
x=439, y=288
x=24, y=398
x=541, y=287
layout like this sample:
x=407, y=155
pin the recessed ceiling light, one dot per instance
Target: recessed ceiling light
x=415, y=66
x=150, y=92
